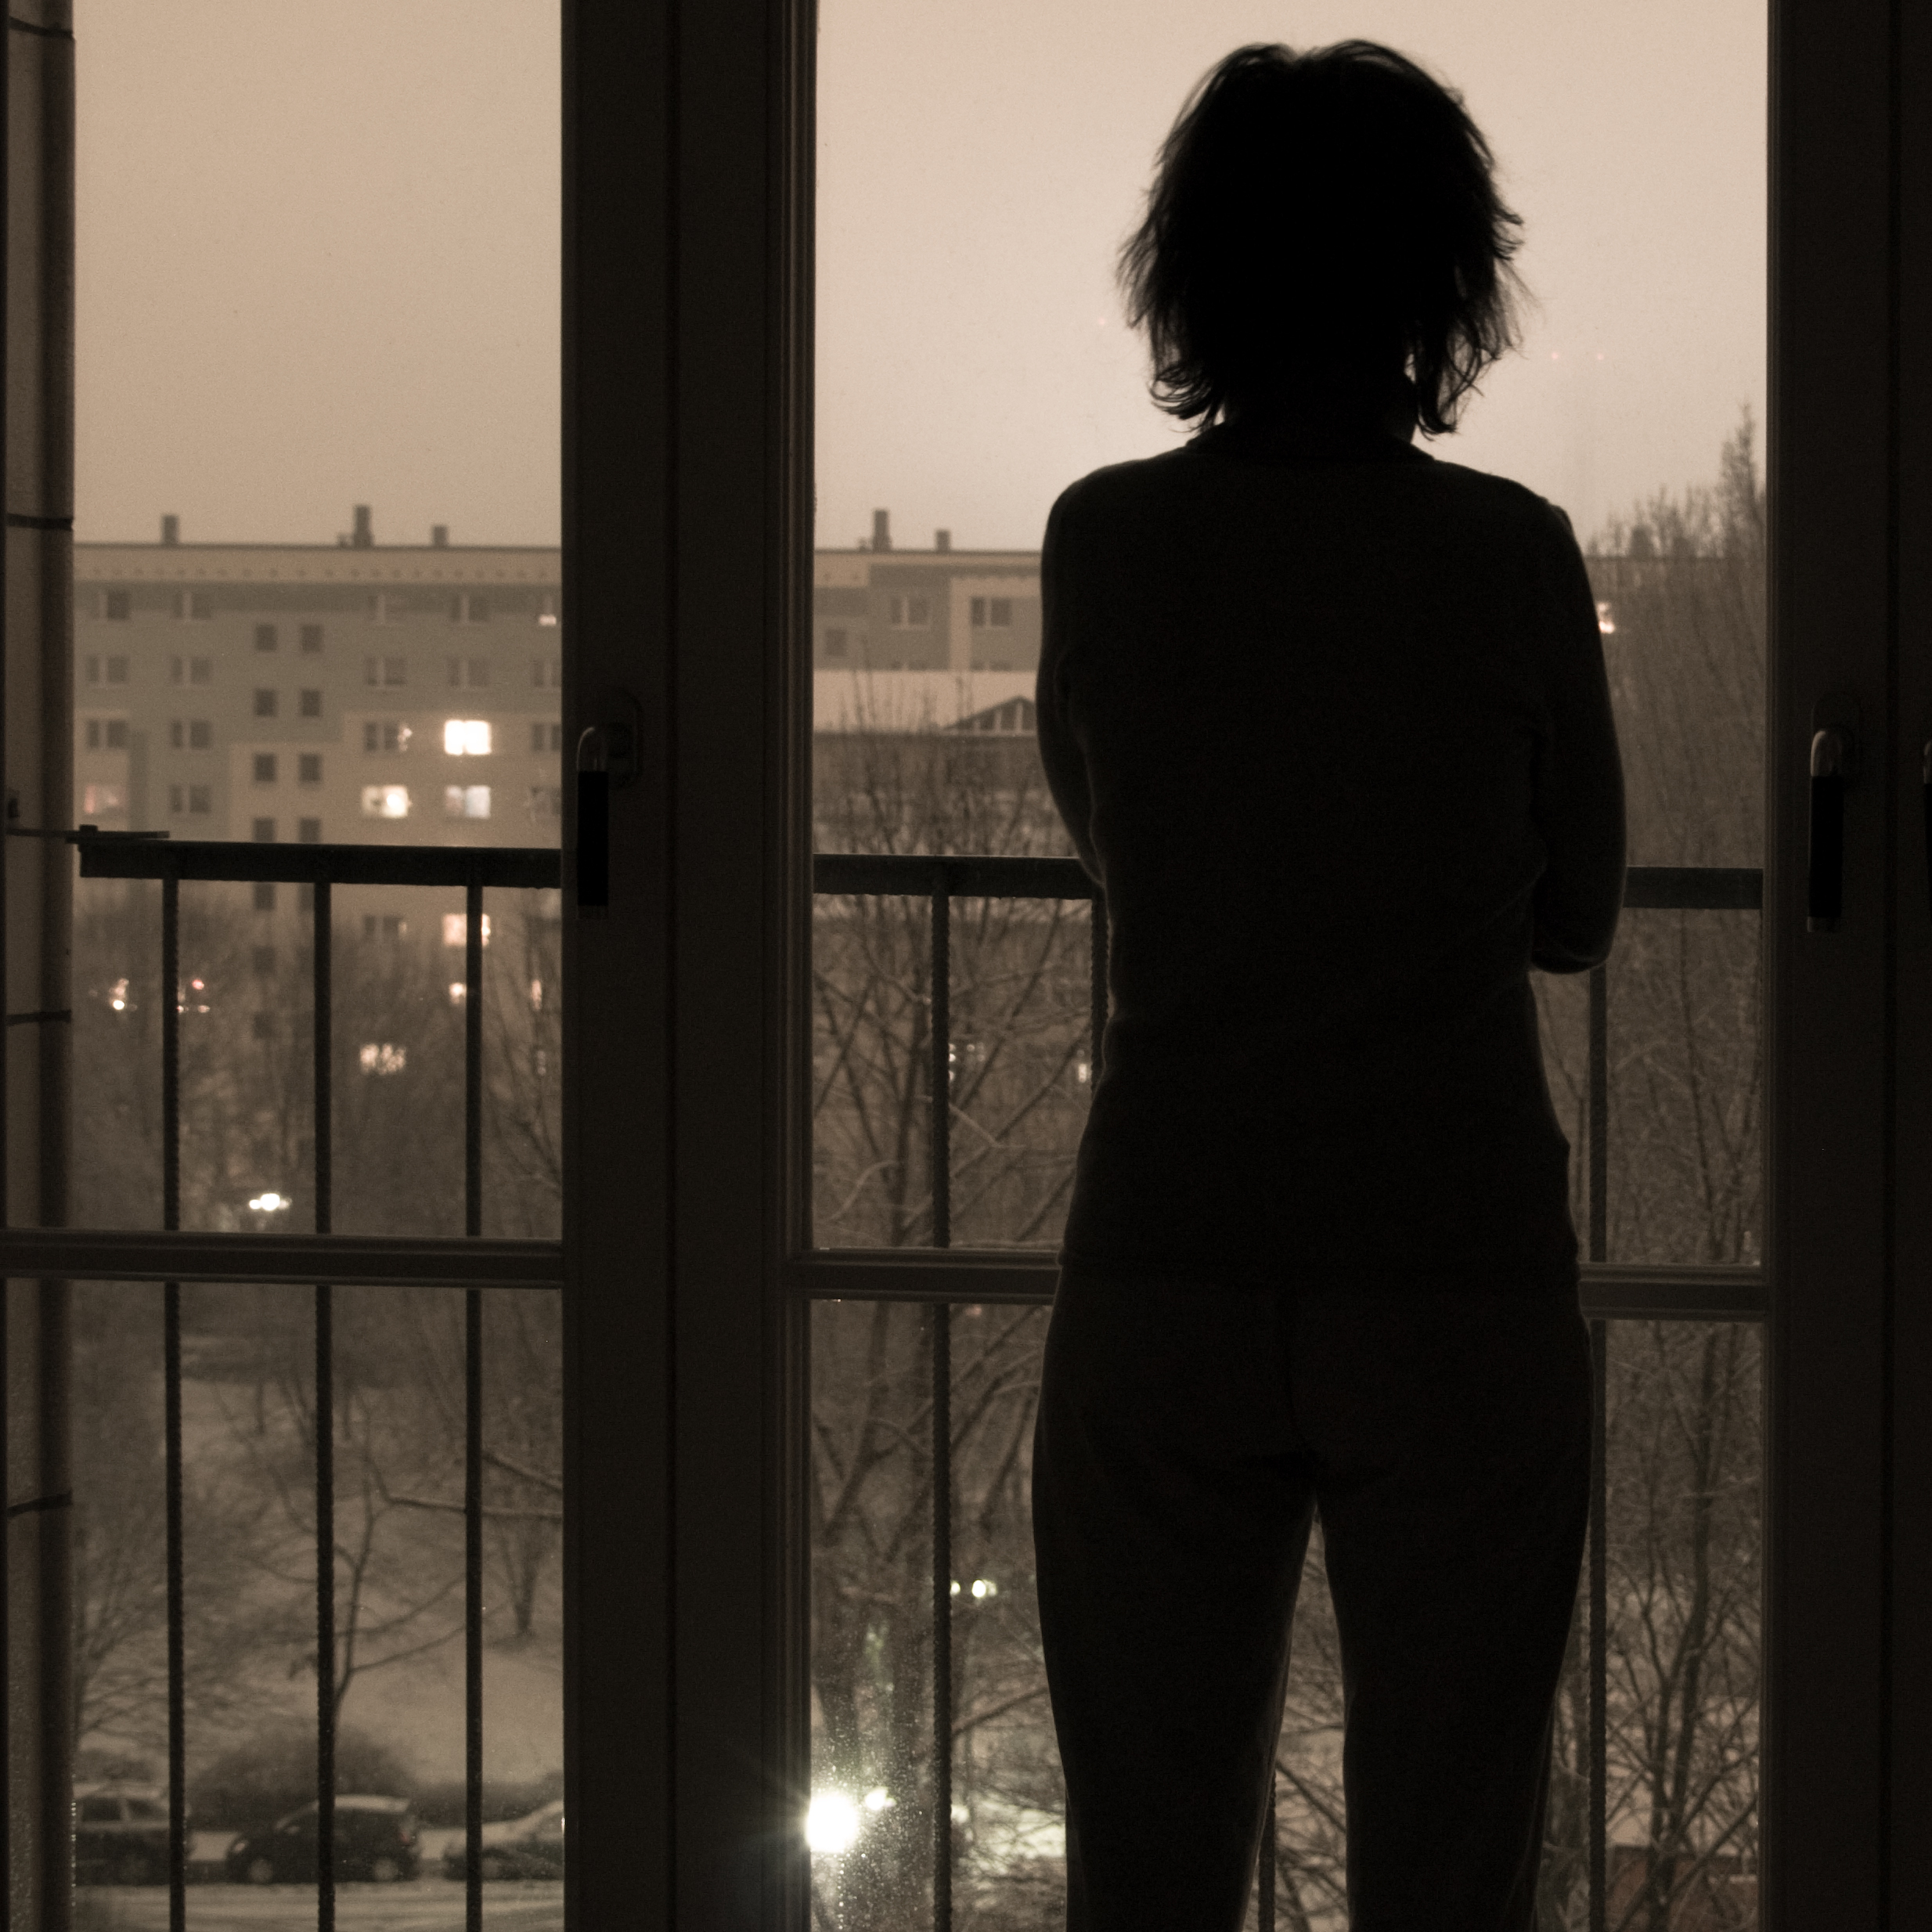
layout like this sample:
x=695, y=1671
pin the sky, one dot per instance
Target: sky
x=319, y=247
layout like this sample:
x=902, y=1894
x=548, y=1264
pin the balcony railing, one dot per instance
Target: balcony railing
x=938, y=1277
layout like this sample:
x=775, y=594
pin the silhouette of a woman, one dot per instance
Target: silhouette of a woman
x=1328, y=720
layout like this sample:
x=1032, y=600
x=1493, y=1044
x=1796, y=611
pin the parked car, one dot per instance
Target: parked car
x=375, y=1838
x=517, y=1847
x=120, y=1833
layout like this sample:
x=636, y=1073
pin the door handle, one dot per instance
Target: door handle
x=606, y=760
x=1824, y=879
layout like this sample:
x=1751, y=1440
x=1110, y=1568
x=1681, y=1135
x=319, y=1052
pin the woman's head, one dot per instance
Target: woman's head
x=1321, y=221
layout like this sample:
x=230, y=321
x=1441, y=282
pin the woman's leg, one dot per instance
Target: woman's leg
x=1454, y=1439
x=1171, y=1514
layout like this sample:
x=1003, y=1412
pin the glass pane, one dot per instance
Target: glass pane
x=318, y=604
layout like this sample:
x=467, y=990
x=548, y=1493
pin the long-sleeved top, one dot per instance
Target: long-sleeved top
x=1334, y=733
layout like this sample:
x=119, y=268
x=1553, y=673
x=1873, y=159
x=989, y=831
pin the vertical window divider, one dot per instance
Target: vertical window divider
x=941, y=1160
x=939, y=1322
x=1599, y=1087
x=473, y=1409
x=176, y=1583
x=321, y=954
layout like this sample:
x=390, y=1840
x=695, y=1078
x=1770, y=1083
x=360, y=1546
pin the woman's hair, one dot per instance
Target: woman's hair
x=1316, y=217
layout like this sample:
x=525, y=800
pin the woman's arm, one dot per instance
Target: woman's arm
x=1579, y=805
x=1064, y=764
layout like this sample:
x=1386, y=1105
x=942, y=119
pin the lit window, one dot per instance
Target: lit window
x=910, y=613
x=104, y=799
x=547, y=608
x=265, y=638
x=467, y=737
x=266, y=704
x=308, y=768
x=380, y=1058
x=120, y=606
x=385, y=802
x=457, y=928
x=466, y=801
x=264, y=768
x=311, y=706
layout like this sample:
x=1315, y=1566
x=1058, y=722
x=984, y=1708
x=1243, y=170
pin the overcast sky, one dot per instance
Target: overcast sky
x=317, y=251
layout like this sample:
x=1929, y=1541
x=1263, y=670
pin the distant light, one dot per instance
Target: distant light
x=458, y=993
x=831, y=1822
x=955, y=1589
x=117, y=995
x=457, y=928
x=879, y=1799
x=270, y=1203
x=1605, y=623
x=536, y=993
x=380, y=1058
x=984, y=1587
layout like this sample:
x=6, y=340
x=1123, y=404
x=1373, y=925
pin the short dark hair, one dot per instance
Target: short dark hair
x=1333, y=209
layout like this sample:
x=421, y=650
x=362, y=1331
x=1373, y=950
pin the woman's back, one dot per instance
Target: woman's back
x=1332, y=730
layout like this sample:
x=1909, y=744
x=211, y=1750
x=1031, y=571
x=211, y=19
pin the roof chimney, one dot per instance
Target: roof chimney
x=364, y=537
x=171, y=530
x=439, y=536
x=942, y=539
x=882, y=529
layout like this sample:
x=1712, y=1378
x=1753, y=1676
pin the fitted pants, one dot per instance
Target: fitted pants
x=1187, y=1436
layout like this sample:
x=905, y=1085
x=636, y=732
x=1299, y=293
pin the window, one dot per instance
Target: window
x=308, y=831
x=200, y=799
x=909, y=613
x=547, y=673
x=472, y=672
x=379, y=610
x=385, y=735
x=466, y=737
x=119, y=606
x=311, y=639
x=94, y=670
x=457, y=928
x=265, y=895
x=200, y=670
x=387, y=925
x=546, y=608
x=546, y=802
x=103, y=798
x=200, y=735
x=466, y=607
x=265, y=638
x=835, y=643
x=262, y=1025
x=466, y=801
x=115, y=732
x=264, y=831
x=264, y=770
x=263, y=961
x=311, y=704
x=380, y=1058
x=308, y=769
x=995, y=611
x=386, y=671
x=197, y=606
x=116, y=670
x=547, y=737
x=265, y=703
x=385, y=802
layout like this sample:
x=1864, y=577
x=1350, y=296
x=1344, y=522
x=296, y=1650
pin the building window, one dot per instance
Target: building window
x=103, y=798
x=308, y=768
x=200, y=799
x=264, y=770
x=262, y=1025
x=547, y=737
x=311, y=706
x=457, y=928
x=910, y=613
x=200, y=670
x=264, y=831
x=473, y=672
x=387, y=925
x=547, y=673
x=265, y=638
x=993, y=612
x=200, y=735
x=196, y=607
x=116, y=670
x=308, y=831
x=265, y=895
x=379, y=610
x=466, y=737
x=466, y=801
x=94, y=670
x=546, y=801
x=381, y=1059
x=311, y=639
x=381, y=735
x=263, y=961
x=266, y=704
x=467, y=606
x=389, y=671
x=385, y=802
x=111, y=733
x=119, y=606
x=546, y=608
x=835, y=643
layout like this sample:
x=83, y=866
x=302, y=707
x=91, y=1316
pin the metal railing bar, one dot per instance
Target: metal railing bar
x=939, y=1321
x=176, y=1566
x=239, y=861
x=85, y=1254
x=942, y=1072
x=472, y=1410
x=1597, y=1251
x=971, y=875
x=321, y=950
x=1611, y=1291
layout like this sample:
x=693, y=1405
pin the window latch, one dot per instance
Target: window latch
x=607, y=761
x=1834, y=754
